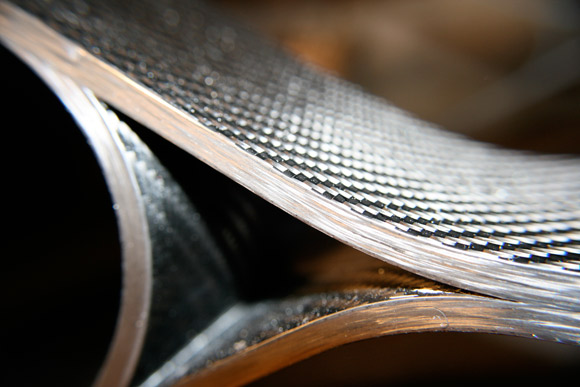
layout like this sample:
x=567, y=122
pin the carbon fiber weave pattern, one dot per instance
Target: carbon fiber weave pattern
x=346, y=145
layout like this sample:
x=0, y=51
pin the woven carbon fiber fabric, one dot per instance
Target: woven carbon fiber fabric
x=510, y=212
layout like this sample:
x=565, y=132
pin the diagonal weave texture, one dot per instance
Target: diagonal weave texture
x=519, y=213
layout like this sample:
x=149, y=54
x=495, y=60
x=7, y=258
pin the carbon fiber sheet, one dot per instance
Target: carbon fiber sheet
x=496, y=221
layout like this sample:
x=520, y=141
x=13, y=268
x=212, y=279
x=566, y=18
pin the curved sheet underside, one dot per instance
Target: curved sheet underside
x=494, y=221
x=239, y=361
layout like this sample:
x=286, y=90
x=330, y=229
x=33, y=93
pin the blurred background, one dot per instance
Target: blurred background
x=506, y=72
